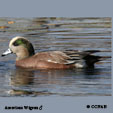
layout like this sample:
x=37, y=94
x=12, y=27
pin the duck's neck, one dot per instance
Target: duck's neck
x=24, y=54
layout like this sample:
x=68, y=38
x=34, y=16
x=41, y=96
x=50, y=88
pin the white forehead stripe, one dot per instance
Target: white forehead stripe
x=14, y=39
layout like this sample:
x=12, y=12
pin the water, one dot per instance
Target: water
x=57, y=34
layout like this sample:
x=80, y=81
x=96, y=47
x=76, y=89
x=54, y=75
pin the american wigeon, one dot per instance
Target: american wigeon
x=27, y=58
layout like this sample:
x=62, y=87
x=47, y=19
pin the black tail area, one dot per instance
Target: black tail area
x=92, y=59
x=88, y=56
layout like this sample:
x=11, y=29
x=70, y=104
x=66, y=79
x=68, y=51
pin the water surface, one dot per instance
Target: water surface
x=57, y=34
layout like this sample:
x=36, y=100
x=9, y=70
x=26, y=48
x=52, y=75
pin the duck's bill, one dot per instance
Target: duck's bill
x=6, y=52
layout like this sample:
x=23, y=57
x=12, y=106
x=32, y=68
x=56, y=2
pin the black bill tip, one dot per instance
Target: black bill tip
x=2, y=55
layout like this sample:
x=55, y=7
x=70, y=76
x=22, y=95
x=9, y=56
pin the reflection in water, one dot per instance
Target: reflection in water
x=43, y=82
x=21, y=77
x=20, y=81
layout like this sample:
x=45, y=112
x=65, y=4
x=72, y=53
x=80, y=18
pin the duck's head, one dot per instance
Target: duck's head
x=21, y=47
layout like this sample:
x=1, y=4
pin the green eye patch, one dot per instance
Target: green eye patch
x=20, y=42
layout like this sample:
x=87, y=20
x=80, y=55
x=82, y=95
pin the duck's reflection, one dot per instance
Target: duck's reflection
x=21, y=77
x=27, y=82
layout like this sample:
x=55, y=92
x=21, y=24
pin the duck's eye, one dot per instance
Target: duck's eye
x=15, y=43
x=19, y=42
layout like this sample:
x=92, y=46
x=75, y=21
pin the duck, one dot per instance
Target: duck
x=27, y=58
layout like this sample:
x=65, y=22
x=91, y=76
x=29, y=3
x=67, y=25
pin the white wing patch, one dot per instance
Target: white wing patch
x=51, y=61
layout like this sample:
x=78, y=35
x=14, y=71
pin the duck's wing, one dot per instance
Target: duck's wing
x=84, y=56
x=62, y=57
x=52, y=56
x=69, y=57
x=81, y=54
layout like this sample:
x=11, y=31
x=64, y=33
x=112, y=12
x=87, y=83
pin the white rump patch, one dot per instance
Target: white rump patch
x=81, y=64
x=77, y=65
